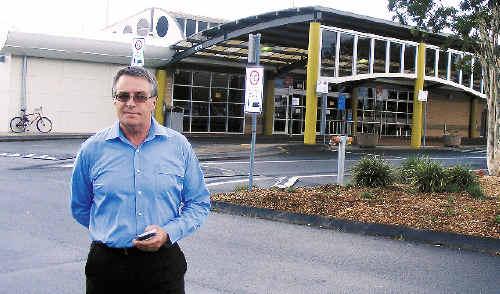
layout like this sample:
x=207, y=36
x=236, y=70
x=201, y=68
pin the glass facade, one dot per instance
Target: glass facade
x=212, y=102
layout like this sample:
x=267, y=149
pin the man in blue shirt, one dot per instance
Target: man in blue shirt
x=134, y=177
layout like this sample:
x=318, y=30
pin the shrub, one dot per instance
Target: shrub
x=430, y=176
x=372, y=172
x=367, y=195
x=461, y=177
x=497, y=219
x=476, y=192
x=407, y=170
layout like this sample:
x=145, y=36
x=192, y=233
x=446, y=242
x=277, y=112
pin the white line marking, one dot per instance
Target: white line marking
x=29, y=155
x=3, y=154
x=13, y=155
x=233, y=181
x=278, y=181
x=291, y=181
x=67, y=165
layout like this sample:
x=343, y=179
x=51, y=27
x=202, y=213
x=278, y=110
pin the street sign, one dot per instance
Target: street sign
x=422, y=96
x=254, y=89
x=138, y=52
x=322, y=86
x=341, y=102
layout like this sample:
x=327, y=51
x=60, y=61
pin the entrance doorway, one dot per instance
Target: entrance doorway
x=289, y=111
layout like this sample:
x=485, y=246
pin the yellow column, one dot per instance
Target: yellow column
x=416, y=127
x=269, y=108
x=474, y=122
x=354, y=106
x=312, y=77
x=161, y=76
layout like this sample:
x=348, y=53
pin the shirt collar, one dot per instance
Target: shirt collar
x=155, y=129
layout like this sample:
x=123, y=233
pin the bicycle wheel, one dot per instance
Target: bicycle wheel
x=44, y=125
x=17, y=125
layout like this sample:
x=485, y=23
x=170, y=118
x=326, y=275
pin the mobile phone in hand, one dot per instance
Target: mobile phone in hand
x=145, y=235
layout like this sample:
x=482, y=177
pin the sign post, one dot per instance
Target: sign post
x=254, y=90
x=322, y=87
x=422, y=96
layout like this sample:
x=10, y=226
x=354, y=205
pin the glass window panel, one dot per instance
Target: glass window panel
x=379, y=61
x=237, y=82
x=219, y=80
x=218, y=109
x=345, y=58
x=186, y=105
x=182, y=92
x=392, y=106
x=182, y=78
x=201, y=93
x=442, y=64
x=199, y=124
x=477, y=75
x=201, y=78
x=430, y=61
x=402, y=106
x=202, y=25
x=395, y=58
x=236, y=109
x=219, y=95
x=466, y=70
x=393, y=95
x=403, y=96
x=456, y=64
x=181, y=24
x=363, y=61
x=190, y=27
x=410, y=59
x=235, y=125
x=237, y=96
x=328, y=47
x=199, y=109
x=370, y=93
x=186, y=123
x=217, y=124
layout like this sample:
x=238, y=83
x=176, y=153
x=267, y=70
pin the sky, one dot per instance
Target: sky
x=87, y=16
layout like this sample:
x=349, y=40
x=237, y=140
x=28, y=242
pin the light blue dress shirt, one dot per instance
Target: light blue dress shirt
x=117, y=190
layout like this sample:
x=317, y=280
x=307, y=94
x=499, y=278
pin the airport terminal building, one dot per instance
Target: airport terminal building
x=376, y=68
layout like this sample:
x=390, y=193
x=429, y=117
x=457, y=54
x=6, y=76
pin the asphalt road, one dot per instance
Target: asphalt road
x=43, y=250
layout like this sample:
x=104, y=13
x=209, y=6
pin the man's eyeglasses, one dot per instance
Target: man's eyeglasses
x=139, y=97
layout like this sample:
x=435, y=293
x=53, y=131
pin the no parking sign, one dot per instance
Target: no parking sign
x=138, y=52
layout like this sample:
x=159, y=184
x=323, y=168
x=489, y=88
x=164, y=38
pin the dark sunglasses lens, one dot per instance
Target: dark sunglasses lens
x=140, y=97
x=123, y=97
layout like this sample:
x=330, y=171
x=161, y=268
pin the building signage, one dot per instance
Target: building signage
x=295, y=101
x=254, y=89
x=138, y=52
x=341, y=102
x=422, y=96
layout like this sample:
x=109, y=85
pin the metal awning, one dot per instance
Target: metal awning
x=284, y=36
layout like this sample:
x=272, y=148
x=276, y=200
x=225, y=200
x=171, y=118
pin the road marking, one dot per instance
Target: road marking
x=291, y=181
x=278, y=181
x=29, y=155
x=234, y=181
x=13, y=155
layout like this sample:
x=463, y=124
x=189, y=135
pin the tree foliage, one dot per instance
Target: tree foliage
x=476, y=24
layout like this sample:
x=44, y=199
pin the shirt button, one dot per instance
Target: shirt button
x=138, y=171
x=139, y=214
x=137, y=150
x=140, y=192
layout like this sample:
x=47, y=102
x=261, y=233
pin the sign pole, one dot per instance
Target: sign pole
x=253, y=59
x=323, y=116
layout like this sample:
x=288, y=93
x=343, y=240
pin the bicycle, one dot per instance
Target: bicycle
x=19, y=124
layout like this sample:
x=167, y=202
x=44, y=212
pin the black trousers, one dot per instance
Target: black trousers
x=111, y=270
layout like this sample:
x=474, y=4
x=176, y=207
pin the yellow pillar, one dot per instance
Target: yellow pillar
x=416, y=127
x=354, y=107
x=312, y=77
x=269, y=108
x=474, y=122
x=161, y=76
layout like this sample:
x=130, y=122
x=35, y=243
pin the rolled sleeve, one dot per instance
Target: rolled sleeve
x=195, y=199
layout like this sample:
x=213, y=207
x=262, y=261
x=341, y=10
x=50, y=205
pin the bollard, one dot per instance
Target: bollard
x=341, y=160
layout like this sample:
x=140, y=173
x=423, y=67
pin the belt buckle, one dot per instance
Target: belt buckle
x=125, y=251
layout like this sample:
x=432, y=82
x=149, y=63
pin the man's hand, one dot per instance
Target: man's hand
x=154, y=243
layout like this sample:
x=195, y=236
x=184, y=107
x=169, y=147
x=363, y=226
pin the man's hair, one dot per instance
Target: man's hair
x=136, y=71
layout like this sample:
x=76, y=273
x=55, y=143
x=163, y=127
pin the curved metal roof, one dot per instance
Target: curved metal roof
x=105, y=48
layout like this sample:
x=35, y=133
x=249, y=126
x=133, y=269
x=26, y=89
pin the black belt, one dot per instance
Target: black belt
x=122, y=251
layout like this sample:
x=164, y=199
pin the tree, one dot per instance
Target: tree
x=476, y=26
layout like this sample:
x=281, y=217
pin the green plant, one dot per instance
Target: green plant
x=430, y=176
x=476, y=192
x=497, y=219
x=368, y=195
x=291, y=189
x=407, y=170
x=461, y=177
x=243, y=188
x=371, y=171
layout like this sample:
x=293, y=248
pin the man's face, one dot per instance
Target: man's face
x=133, y=113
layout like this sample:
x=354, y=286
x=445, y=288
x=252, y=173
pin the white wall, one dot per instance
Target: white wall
x=5, y=73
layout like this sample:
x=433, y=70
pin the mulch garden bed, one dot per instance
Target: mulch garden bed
x=395, y=205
